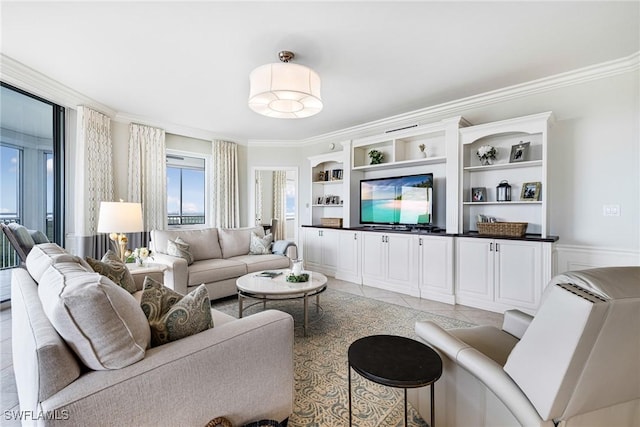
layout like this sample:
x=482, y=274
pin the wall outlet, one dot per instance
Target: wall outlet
x=611, y=210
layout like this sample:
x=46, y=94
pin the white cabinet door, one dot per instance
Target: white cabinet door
x=400, y=265
x=349, y=256
x=329, y=240
x=436, y=268
x=474, y=267
x=373, y=256
x=312, y=248
x=518, y=271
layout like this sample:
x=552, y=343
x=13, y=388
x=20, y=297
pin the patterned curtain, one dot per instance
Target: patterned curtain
x=94, y=179
x=224, y=185
x=147, y=180
x=279, y=200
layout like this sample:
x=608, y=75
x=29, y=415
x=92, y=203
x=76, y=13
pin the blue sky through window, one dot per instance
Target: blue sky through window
x=9, y=173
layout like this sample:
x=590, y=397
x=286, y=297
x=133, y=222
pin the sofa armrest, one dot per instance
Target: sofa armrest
x=516, y=322
x=177, y=273
x=286, y=248
x=485, y=369
x=242, y=370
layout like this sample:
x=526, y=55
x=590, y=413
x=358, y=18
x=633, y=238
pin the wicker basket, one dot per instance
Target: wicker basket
x=511, y=229
x=331, y=222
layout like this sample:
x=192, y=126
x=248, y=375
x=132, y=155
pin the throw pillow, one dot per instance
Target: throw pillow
x=22, y=236
x=260, y=245
x=38, y=237
x=112, y=267
x=179, y=248
x=100, y=321
x=173, y=316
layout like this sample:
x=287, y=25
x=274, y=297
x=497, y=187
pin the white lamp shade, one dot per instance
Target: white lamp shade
x=285, y=90
x=120, y=217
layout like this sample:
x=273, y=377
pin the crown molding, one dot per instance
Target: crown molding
x=19, y=75
x=30, y=80
x=457, y=107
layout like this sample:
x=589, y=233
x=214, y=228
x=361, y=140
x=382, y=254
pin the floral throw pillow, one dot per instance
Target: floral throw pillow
x=179, y=248
x=112, y=267
x=173, y=316
x=260, y=245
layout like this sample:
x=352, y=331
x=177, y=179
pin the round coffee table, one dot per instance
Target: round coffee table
x=395, y=362
x=254, y=286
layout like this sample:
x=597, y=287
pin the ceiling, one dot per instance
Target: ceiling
x=187, y=63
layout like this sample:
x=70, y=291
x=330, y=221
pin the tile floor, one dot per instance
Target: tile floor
x=7, y=381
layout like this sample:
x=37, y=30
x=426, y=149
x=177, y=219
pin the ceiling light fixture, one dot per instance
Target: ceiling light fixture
x=285, y=90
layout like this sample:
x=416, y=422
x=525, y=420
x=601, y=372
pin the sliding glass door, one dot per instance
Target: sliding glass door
x=31, y=166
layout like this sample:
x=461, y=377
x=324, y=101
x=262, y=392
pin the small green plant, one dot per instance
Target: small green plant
x=376, y=157
x=421, y=147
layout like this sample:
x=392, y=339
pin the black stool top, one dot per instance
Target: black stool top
x=395, y=361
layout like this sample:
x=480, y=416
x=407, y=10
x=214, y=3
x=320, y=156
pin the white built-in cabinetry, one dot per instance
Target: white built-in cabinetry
x=458, y=266
x=503, y=135
x=349, y=256
x=389, y=262
x=320, y=249
x=435, y=262
x=330, y=193
x=498, y=274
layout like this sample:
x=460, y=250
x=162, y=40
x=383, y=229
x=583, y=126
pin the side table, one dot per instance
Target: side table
x=395, y=361
x=155, y=271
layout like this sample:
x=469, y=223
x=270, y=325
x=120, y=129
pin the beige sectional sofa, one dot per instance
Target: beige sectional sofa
x=241, y=369
x=221, y=255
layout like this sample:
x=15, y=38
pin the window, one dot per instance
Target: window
x=290, y=198
x=186, y=190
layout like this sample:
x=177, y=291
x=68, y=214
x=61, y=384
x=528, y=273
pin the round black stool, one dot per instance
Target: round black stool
x=395, y=362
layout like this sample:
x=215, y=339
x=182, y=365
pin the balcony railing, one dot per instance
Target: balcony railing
x=186, y=219
x=8, y=256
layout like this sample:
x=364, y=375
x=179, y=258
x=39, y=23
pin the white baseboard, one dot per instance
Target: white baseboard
x=574, y=257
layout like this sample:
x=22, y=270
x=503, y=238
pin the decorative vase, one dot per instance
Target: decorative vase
x=139, y=262
x=297, y=267
x=486, y=161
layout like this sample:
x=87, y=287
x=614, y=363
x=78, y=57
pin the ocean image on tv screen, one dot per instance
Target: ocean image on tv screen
x=402, y=200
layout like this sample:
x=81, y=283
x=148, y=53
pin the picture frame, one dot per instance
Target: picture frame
x=479, y=194
x=519, y=152
x=530, y=191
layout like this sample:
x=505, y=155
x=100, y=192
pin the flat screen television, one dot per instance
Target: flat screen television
x=401, y=200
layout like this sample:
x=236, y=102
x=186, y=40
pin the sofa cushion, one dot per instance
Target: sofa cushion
x=260, y=245
x=23, y=236
x=43, y=255
x=236, y=241
x=173, y=316
x=203, y=243
x=101, y=322
x=262, y=262
x=116, y=270
x=215, y=270
x=179, y=248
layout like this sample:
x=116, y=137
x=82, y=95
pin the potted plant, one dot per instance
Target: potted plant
x=376, y=157
x=422, y=147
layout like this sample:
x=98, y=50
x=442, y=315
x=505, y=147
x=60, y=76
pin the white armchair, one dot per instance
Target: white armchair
x=576, y=363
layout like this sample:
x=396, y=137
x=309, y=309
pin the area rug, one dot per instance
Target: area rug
x=321, y=370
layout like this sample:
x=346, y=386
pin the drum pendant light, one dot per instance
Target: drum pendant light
x=285, y=90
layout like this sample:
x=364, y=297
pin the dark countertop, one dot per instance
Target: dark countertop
x=439, y=232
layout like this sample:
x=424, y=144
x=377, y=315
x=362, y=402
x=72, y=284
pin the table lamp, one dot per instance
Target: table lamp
x=117, y=218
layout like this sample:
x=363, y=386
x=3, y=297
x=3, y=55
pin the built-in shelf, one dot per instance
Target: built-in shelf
x=513, y=202
x=499, y=166
x=403, y=163
x=335, y=181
